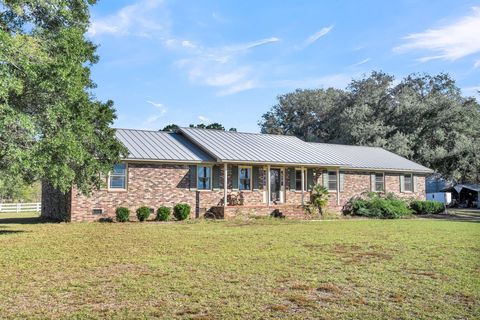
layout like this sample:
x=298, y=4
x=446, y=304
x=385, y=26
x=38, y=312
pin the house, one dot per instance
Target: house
x=233, y=173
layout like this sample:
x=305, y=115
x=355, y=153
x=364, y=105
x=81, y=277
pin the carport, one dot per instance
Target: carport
x=465, y=195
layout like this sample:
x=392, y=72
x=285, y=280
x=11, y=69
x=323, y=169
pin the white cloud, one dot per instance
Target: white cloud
x=221, y=67
x=317, y=35
x=203, y=118
x=133, y=19
x=477, y=64
x=361, y=62
x=160, y=107
x=449, y=42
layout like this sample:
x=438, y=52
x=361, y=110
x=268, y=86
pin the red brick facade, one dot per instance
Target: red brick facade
x=156, y=185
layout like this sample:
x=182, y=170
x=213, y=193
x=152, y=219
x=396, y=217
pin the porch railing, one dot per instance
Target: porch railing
x=20, y=207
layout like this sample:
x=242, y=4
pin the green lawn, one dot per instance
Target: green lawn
x=346, y=269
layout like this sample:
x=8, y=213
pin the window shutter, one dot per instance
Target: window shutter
x=372, y=182
x=402, y=183
x=216, y=177
x=342, y=180
x=325, y=179
x=235, y=177
x=193, y=177
x=256, y=177
x=309, y=179
x=292, y=176
x=414, y=181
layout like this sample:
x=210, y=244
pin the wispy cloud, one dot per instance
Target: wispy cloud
x=317, y=35
x=152, y=120
x=133, y=19
x=449, y=42
x=221, y=67
x=203, y=118
x=472, y=91
x=476, y=64
x=160, y=107
x=338, y=80
x=359, y=63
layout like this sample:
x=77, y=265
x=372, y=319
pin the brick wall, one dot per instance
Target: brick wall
x=156, y=185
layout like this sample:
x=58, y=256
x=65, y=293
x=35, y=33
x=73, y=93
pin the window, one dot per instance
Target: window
x=332, y=180
x=204, y=177
x=379, y=182
x=245, y=178
x=298, y=180
x=118, y=177
x=408, y=183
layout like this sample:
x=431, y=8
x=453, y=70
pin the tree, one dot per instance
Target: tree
x=423, y=118
x=51, y=125
x=171, y=128
x=212, y=126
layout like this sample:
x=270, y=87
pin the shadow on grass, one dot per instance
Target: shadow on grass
x=466, y=215
x=21, y=220
x=2, y=232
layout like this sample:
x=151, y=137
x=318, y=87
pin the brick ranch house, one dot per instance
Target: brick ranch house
x=233, y=173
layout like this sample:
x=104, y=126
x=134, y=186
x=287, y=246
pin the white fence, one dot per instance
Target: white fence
x=20, y=207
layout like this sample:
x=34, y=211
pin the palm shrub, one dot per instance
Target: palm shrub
x=143, y=213
x=181, y=211
x=427, y=207
x=318, y=198
x=122, y=214
x=163, y=213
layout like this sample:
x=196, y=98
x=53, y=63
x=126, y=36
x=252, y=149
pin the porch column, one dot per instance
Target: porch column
x=338, y=187
x=303, y=184
x=225, y=171
x=268, y=185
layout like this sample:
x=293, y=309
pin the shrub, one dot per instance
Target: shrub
x=122, y=214
x=181, y=211
x=427, y=207
x=163, y=213
x=143, y=213
x=374, y=205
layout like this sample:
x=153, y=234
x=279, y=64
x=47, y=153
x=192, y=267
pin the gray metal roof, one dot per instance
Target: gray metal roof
x=202, y=145
x=229, y=146
x=360, y=157
x=160, y=145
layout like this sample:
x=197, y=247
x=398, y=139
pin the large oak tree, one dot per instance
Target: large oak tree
x=51, y=125
x=424, y=118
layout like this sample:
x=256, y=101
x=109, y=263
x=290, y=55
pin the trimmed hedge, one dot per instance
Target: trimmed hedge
x=143, y=213
x=427, y=207
x=375, y=205
x=163, y=213
x=181, y=211
x=122, y=214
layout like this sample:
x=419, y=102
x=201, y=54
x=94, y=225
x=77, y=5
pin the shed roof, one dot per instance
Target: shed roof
x=228, y=146
x=160, y=145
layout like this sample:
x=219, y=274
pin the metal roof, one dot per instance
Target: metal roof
x=228, y=146
x=359, y=157
x=160, y=146
x=203, y=145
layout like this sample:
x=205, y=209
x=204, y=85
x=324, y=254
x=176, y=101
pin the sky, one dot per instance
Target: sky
x=199, y=61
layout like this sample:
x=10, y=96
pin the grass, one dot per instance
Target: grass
x=368, y=269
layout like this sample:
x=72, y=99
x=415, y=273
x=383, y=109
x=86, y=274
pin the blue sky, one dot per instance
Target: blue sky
x=204, y=61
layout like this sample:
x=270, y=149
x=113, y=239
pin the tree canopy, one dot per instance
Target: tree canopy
x=51, y=125
x=423, y=118
x=213, y=126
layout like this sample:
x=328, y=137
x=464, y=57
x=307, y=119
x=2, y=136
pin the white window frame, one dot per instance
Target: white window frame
x=383, y=181
x=336, y=180
x=125, y=176
x=250, y=168
x=304, y=172
x=404, y=182
x=209, y=178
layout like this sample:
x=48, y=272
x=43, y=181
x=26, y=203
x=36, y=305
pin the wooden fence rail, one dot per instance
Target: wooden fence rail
x=20, y=207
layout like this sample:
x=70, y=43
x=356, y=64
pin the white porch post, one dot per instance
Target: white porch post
x=303, y=184
x=225, y=173
x=338, y=187
x=268, y=186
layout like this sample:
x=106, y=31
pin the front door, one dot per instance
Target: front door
x=275, y=185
